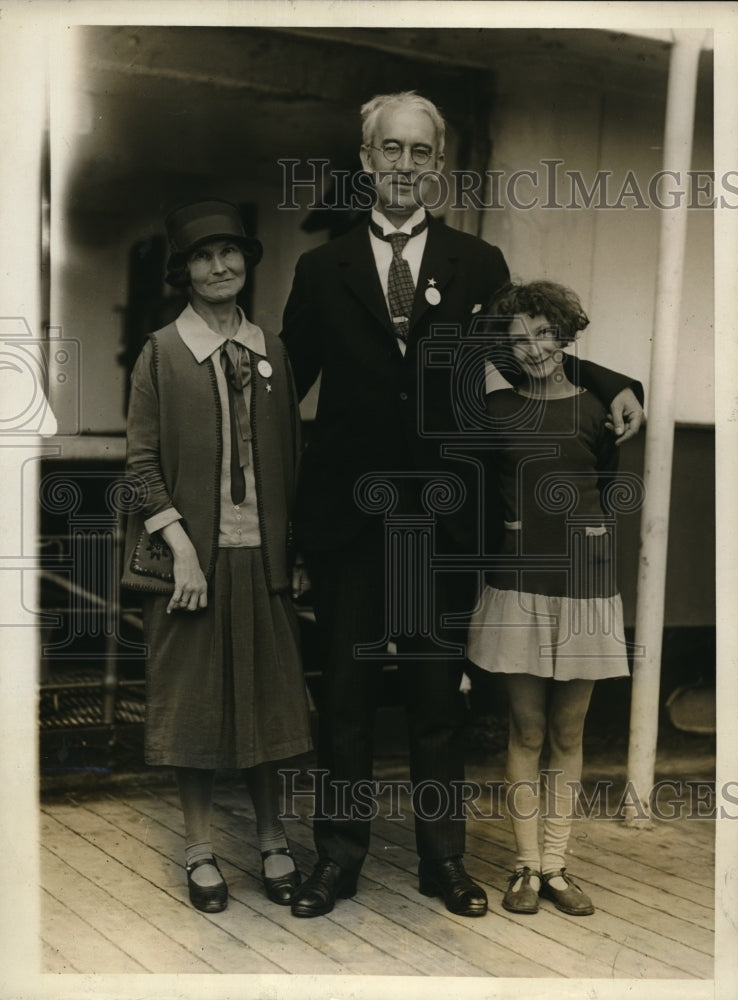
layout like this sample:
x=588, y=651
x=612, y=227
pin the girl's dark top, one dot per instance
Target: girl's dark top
x=550, y=465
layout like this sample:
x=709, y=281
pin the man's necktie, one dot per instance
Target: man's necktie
x=235, y=362
x=400, y=286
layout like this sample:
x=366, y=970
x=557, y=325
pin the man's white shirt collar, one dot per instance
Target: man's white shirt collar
x=386, y=226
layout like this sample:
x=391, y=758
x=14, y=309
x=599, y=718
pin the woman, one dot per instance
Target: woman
x=213, y=445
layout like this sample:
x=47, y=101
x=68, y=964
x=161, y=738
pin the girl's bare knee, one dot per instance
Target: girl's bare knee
x=528, y=738
x=566, y=739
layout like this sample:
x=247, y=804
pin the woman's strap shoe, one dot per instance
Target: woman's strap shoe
x=282, y=888
x=208, y=898
x=572, y=900
x=524, y=898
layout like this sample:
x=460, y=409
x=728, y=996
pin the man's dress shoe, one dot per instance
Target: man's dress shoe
x=318, y=893
x=448, y=878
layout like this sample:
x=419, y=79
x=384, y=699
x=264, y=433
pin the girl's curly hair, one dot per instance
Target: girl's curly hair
x=560, y=306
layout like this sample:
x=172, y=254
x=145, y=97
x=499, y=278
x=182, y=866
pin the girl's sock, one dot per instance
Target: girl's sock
x=557, y=819
x=527, y=697
x=263, y=785
x=523, y=807
x=568, y=710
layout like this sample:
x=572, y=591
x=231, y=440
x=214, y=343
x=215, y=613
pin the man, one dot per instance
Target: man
x=360, y=308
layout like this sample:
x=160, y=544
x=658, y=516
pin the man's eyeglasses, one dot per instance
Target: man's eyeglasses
x=392, y=151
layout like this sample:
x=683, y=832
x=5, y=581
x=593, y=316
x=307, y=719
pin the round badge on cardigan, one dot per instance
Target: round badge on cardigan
x=264, y=368
x=432, y=296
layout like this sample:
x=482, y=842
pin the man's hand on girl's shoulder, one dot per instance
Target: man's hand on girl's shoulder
x=625, y=416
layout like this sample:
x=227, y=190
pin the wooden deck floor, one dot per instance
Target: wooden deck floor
x=115, y=900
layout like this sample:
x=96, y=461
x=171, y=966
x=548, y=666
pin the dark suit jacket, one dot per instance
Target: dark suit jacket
x=380, y=411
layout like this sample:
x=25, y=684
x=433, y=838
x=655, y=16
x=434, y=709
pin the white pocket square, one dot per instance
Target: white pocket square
x=476, y=308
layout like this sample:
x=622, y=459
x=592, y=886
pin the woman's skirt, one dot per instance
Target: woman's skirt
x=224, y=684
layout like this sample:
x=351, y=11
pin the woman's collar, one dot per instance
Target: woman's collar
x=202, y=341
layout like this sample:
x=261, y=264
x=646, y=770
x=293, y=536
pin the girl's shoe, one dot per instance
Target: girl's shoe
x=281, y=889
x=524, y=899
x=208, y=898
x=572, y=900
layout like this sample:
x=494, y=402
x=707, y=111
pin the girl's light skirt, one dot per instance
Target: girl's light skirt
x=512, y=632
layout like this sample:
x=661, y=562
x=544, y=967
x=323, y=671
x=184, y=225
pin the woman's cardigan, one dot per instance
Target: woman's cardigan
x=174, y=453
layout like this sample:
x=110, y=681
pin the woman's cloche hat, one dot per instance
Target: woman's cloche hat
x=199, y=222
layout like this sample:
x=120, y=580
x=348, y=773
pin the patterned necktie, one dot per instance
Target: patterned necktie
x=235, y=362
x=400, y=285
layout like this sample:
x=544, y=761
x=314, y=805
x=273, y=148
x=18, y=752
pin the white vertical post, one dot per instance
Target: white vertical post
x=678, y=131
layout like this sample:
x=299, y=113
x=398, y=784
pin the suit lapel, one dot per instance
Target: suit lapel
x=436, y=270
x=359, y=272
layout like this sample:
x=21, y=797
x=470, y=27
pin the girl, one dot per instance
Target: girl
x=550, y=617
x=213, y=443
